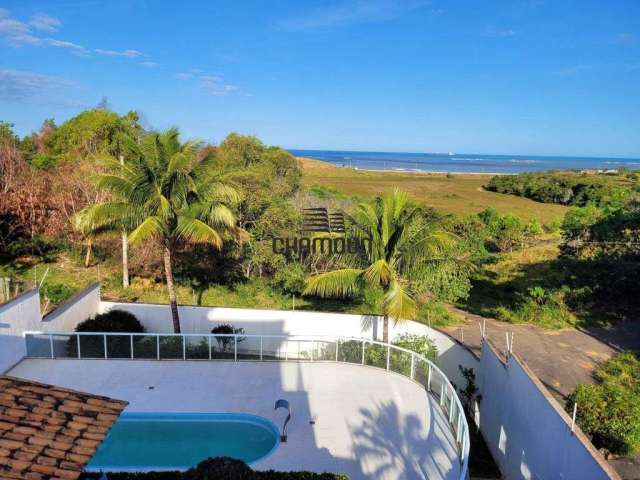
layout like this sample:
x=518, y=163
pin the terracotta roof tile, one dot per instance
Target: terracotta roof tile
x=48, y=432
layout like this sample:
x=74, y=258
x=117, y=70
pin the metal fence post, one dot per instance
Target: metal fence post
x=429, y=379
x=78, y=341
x=131, y=345
x=157, y=347
x=413, y=366
x=388, y=356
x=235, y=348
x=51, y=345
x=442, y=395
x=105, y=346
x=261, y=348
x=184, y=347
x=362, y=352
x=209, y=343
x=337, y=346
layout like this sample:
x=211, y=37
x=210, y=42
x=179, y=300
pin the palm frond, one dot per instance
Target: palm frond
x=398, y=304
x=338, y=283
x=150, y=227
x=196, y=231
x=379, y=273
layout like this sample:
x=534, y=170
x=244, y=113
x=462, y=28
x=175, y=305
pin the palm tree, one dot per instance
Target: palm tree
x=168, y=192
x=402, y=244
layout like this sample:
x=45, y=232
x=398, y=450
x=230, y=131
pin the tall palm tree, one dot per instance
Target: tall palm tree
x=402, y=244
x=168, y=192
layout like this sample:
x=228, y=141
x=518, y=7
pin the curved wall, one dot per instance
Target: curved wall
x=157, y=319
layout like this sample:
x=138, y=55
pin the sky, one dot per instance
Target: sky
x=542, y=77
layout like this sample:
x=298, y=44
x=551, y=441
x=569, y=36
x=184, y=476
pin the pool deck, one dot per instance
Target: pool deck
x=369, y=424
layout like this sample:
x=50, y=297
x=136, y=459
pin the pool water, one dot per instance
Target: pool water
x=177, y=441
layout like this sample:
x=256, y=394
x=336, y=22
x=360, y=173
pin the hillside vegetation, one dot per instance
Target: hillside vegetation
x=569, y=188
x=459, y=194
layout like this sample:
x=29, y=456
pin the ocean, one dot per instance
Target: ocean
x=463, y=162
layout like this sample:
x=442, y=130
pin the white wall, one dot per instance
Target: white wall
x=157, y=319
x=527, y=432
x=75, y=310
x=16, y=316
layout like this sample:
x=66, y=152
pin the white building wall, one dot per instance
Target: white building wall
x=157, y=319
x=527, y=432
x=75, y=310
x=17, y=316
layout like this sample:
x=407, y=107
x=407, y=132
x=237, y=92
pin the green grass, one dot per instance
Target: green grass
x=256, y=293
x=458, y=194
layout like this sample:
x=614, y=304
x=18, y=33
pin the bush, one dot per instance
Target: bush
x=225, y=343
x=290, y=279
x=219, y=468
x=609, y=411
x=42, y=161
x=113, y=321
x=57, y=292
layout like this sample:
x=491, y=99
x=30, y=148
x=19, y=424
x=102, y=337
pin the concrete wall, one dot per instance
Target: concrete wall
x=75, y=310
x=157, y=319
x=527, y=432
x=16, y=316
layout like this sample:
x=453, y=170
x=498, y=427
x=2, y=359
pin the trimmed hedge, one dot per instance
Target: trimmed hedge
x=219, y=468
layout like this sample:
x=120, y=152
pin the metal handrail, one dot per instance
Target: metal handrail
x=447, y=396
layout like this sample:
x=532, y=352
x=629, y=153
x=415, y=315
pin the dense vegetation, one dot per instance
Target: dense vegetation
x=609, y=410
x=569, y=188
x=219, y=468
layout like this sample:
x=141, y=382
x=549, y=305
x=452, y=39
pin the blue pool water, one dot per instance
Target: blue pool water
x=168, y=441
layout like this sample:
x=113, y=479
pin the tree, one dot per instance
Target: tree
x=402, y=245
x=168, y=192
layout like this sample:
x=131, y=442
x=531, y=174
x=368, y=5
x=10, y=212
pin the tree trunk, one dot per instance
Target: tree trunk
x=385, y=329
x=87, y=258
x=125, y=250
x=125, y=260
x=168, y=271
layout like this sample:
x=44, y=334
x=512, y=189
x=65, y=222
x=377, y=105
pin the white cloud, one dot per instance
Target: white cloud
x=150, y=64
x=212, y=84
x=10, y=26
x=348, y=12
x=42, y=21
x=215, y=85
x=571, y=70
x=501, y=32
x=21, y=85
x=116, y=53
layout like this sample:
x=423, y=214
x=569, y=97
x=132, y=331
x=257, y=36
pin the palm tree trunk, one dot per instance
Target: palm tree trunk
x=385, y=329
x=168, y=271
x=125, y=260
x=125, y=250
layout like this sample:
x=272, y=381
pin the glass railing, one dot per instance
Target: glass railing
x=262, y=348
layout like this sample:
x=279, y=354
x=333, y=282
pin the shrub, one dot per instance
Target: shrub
x=57, y=292
x=113, y=321
x=42, y=161
x=219, y=468
x=290, y=279
x=226, y=329
x=609, y=411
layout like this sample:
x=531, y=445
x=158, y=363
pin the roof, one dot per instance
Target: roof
x=47, y=432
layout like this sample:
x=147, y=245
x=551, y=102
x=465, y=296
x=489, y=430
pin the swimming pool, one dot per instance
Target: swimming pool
x=177, y=441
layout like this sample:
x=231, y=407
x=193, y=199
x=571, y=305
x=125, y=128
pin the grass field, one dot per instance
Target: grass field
x=457, y=194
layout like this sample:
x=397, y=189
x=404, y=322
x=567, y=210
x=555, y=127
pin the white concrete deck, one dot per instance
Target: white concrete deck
x=369, y=424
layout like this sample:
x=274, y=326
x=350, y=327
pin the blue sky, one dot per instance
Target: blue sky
x=513, y=76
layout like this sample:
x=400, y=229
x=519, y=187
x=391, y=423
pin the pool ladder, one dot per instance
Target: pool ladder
x=282, y=403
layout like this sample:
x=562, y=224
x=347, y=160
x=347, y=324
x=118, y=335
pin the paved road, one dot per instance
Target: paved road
x=560, y=358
